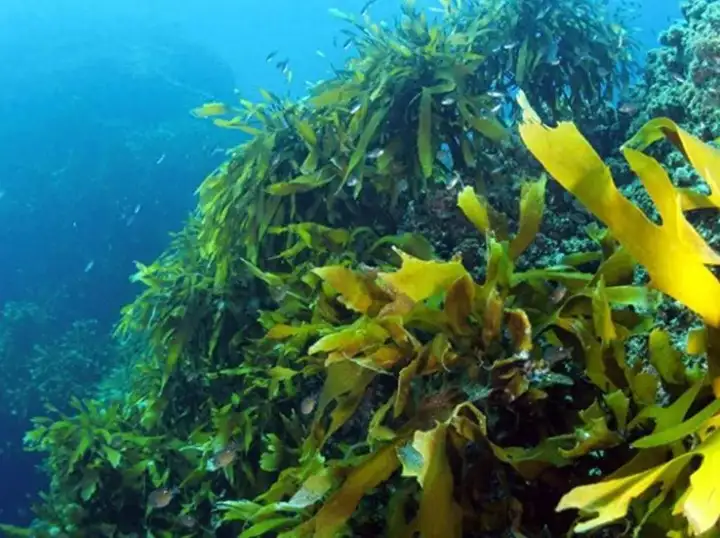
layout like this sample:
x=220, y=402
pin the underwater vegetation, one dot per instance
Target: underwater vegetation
x=37, y=351
x=573, y=53
x=310, y=367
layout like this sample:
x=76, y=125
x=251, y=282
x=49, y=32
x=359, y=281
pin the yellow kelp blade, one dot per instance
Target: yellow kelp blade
x=665, y=197
x=474, y=209
x=704, y=158
x=609, y=501
x=350, y=286
x=351, y=339
x=208, y=110
x=701, y=502
x=426, y=459
x=665, y=358
x=459, y=303
x=419, y=279
x=532, y=206
x=369, y=474
x=675, y=267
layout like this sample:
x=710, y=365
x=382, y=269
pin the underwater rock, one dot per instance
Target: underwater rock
x=682, y=77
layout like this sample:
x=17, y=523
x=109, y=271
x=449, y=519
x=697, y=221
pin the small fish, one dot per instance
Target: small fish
x=308, y=404
x=558, y=294
x=496, y=108
x=223, y=458
x=355, y=108
x=320, y=53
x=137, y=209
x=369, y=271
x=444, y=155
x=553, y=355
x=269, y=57
x=496, y=95
x=284, y=68
x=187, y=521
x=447, y=101
x=352, y=181
x=511, y=46
x=348, y=43
x=678, y=78
x=551, y=56
x=161, y=159
x=278, y=294
x=455, y=180
x=89, y=266
x=542, y=14
x=161, y=497
x=628, y=108
x=375, y=154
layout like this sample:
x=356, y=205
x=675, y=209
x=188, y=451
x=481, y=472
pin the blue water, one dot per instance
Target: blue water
x=99, y=157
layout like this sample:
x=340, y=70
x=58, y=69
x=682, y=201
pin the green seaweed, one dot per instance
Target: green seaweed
x=311, y=366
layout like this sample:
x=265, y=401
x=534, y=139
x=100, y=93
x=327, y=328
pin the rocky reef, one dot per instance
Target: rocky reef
x=415, y=303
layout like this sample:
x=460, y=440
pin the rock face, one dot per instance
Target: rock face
x=682, y=77
x=682, y=82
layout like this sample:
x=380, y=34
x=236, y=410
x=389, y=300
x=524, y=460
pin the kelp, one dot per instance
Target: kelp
x=572, y=162
x=392, y=312
x=675, y=256
x=704, y=158
x=570, y=55
x=312, y=370
x=532, y=205
x=610, y=500
x=342, y=149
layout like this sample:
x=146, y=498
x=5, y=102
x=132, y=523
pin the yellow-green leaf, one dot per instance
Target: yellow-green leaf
x=358, y=154
x=207, y=110
x=666, y=360
x=671, y=253
x=532, y=206
x=353, y=289
x=366, y=476
x=297, y=185
x=419, y=279
x=424, y=137
x=475, y=209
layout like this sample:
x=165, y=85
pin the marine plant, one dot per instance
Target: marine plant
x=36, y=351
x=452, y=381
x=310, y=371
x=574, y=57
x=368, y=137
x=675, y=256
